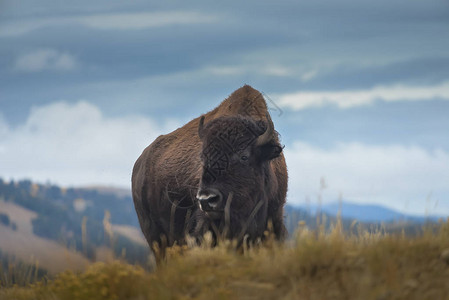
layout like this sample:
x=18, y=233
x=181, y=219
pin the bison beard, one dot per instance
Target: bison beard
x=223, y=172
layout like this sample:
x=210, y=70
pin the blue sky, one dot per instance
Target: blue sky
x=360, y=90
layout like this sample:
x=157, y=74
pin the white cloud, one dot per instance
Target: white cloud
x=274, y=70
x=395, y=176
x=308, y=75
x=45, y=59
x=75, y=145
x=352, y=98
x=123, y=21
x=145, y=20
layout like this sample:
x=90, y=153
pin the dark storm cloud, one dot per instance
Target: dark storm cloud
x=278, y=47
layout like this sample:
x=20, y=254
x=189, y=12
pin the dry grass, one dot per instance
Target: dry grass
x=317, y=265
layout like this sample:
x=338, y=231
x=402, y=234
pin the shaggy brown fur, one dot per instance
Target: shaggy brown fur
x=167, y=175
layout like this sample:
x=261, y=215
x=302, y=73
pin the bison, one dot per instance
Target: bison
x=222, y=172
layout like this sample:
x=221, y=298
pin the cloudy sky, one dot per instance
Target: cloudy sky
x=358, y=90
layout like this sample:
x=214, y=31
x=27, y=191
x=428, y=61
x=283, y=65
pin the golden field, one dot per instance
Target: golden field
x=313, y=265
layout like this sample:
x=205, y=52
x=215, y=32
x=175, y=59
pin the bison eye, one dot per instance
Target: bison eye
x=244, y=157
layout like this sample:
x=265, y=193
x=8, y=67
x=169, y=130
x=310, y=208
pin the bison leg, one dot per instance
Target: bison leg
x=279, y=230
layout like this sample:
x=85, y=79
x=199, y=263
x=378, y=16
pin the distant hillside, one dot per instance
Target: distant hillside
x=21, y=244
x=354, y=217
x=372, y=213
x=295, y=214
x=82, y=219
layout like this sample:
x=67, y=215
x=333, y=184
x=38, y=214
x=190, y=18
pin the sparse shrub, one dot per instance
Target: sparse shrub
x=115, y=280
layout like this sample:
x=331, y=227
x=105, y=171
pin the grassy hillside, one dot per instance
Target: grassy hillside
x=316, y=265
x=40, y=222
x=24, y=246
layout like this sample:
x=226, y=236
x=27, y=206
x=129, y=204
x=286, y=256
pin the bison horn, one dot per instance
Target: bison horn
x=200, y=127
x=268, y=134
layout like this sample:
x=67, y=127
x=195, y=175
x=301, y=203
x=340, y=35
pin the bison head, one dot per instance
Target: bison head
x=235, y=159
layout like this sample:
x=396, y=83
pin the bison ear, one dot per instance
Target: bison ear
x=269, y=151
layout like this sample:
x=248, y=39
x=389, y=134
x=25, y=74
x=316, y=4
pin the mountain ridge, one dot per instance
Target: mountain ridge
x=371, y=213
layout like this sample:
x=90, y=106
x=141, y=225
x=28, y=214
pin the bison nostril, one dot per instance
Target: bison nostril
x=213, y=201
x=208, y=201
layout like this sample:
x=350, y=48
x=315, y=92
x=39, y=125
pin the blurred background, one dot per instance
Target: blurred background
x=358, y=91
